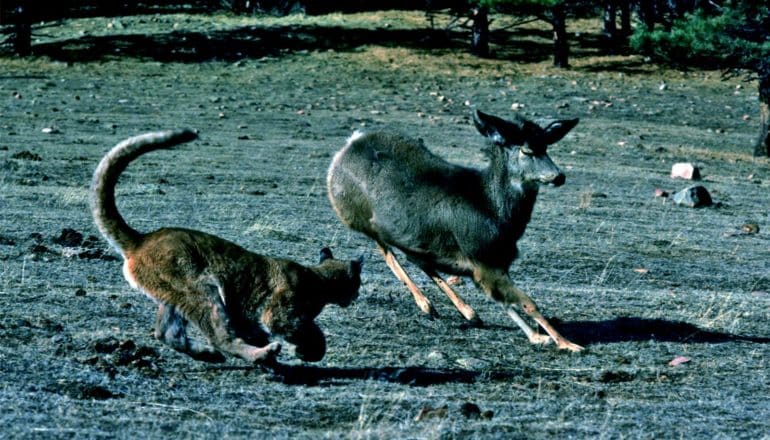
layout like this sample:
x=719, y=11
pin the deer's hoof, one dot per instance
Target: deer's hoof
x=566, y=345
x=539, y=338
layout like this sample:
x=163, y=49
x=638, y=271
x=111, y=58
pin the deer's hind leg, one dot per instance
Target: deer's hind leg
x=422, y=301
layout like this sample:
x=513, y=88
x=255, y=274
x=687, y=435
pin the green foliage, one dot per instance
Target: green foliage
x=738, y=37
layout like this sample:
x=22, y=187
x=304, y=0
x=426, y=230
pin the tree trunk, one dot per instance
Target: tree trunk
x=610, y=17
x=611, y=37
x=22, y=38
x=480, y=32
x=647, y=13
x=762, y=147
x=625, y=18
x=560, y=43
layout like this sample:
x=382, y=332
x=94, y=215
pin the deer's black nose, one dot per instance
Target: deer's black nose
x=559, y=180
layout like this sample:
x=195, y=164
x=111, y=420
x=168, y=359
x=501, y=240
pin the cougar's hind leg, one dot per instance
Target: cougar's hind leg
x=171, y=329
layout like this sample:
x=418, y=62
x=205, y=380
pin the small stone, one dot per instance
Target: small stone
x=106, y=345
x=127, y=345
x=428, y=412
x=679, y=360
x=69, y=238
x=750, y=228
x=27, y=155
x=693, y=197
x=470, y=410
x=39, y=249
x=685, y=170
x=436, y=356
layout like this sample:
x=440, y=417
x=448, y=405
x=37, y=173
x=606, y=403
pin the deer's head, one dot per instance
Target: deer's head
x=530, y=158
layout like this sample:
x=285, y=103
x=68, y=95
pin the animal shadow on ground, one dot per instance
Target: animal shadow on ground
x=630, y=329
x=415, y=376
x=624, y=329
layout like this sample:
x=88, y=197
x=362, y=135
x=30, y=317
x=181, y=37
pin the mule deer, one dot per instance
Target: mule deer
x=236, y=298
x=448, y=218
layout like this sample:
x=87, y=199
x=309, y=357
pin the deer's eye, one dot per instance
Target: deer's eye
x=526, y=150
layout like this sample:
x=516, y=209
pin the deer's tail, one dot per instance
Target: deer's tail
x=106, y=216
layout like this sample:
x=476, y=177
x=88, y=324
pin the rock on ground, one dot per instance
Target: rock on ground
x=694, y=197
x=685, y=170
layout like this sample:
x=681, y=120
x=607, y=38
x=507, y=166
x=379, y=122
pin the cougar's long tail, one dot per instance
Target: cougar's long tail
x=106, y=216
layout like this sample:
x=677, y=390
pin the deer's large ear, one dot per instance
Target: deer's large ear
x=498, y=130
x=558, y=129
x=326, y=254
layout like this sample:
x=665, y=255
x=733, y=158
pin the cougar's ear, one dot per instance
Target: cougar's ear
x=498, y=130
x=326, y=254
x=357, y=264
x=558, y=129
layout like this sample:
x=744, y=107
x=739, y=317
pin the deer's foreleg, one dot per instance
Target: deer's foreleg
x=500, y=287
x=532, y=334
x=464, y=309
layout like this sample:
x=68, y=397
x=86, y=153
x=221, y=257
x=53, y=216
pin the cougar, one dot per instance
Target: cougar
x=237, y=298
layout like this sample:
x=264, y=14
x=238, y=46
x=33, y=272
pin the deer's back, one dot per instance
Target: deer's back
x=396, y=191
x=384, y=171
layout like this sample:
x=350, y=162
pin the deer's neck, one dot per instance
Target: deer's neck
x=512, y=196
x=524, y=195
x=498, y=178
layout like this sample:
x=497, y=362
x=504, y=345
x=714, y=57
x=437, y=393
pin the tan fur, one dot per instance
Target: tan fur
x=237, y=298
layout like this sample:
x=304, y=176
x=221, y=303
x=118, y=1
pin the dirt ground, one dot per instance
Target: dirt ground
x=639, y=281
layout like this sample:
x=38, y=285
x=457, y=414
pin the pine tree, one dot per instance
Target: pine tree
x=734, y=36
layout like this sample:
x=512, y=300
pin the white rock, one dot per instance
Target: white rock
x=685, y=170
